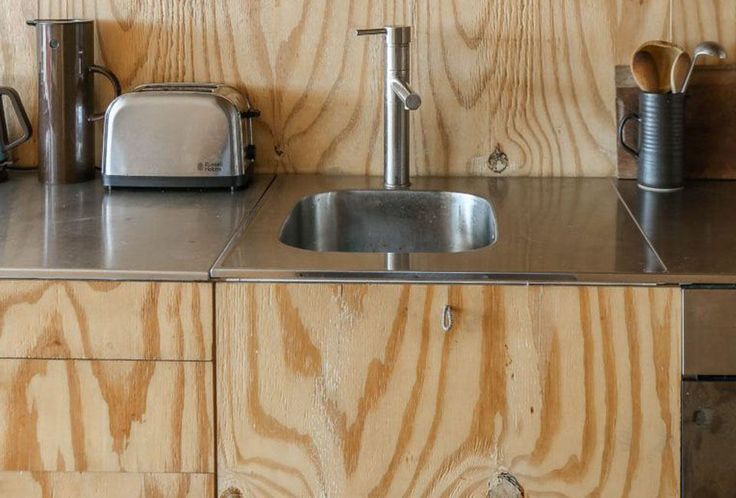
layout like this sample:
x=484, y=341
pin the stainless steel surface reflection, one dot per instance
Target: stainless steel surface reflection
x=81, y=232
x=557, y=230
x=390, y=222
x=692, y=230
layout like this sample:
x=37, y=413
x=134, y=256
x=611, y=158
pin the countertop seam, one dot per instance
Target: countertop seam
x=241, y=226
x=638, y=226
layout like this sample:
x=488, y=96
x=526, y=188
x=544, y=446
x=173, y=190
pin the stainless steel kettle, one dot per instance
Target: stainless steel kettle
x=7, y=144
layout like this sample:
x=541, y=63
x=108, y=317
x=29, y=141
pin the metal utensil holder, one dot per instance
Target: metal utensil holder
x=661, y=151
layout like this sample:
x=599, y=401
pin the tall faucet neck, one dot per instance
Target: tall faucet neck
x=398, y=54
x=399, y=99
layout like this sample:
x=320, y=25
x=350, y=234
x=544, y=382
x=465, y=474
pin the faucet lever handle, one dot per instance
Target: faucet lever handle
x=371, y=31
x=411, y=100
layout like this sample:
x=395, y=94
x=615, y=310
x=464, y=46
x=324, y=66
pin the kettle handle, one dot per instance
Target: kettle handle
x=95, y=69
x=20, y=112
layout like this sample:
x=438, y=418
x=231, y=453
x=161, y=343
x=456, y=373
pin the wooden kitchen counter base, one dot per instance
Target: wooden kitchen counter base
x=337, y=390
x=106, y=390
x=355, y=390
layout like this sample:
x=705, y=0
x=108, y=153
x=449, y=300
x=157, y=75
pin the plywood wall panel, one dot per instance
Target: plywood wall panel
x=532, y=81
x=641, y=20
x=519, y=77
x=697, y=20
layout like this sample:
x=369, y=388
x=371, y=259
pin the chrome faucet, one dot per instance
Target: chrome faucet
x=398, y=100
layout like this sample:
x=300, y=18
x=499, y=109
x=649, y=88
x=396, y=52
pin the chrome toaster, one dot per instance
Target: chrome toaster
x=187, y=135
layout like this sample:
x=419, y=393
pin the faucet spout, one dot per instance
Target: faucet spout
x=399, y=99
x=411, y=100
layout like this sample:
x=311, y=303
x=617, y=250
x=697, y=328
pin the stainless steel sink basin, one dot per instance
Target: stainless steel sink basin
x=381, y=221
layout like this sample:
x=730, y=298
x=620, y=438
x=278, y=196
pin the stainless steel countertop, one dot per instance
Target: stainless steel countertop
x=550, y=230
x=693, y=230
x=82, y=232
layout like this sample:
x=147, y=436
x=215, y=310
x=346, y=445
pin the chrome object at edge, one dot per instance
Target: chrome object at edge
x=66, y=116
x=6, y=143
x=399, y=99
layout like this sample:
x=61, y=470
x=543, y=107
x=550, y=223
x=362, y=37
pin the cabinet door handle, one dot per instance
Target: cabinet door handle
x=447, y=318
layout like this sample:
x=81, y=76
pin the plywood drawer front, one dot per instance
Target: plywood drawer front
x=106, y=416
x=105, y=485
x=106, y=320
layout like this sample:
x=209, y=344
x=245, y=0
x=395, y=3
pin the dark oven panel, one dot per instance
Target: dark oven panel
x=709, y=439
x=709, y=393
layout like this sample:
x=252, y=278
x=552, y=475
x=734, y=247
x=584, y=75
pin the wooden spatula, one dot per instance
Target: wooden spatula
x=680, y=69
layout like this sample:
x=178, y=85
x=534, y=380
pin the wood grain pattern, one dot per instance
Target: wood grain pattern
x=116, y=416
x=533, y=80
x=105, y=485
x=319, y=87
x=642, y=20
x=354, y=390
x=696, y=21
x=106, y=320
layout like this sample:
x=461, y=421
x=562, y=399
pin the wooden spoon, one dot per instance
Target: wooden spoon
x=644, y=69
x=664, y=55
x=680, y=69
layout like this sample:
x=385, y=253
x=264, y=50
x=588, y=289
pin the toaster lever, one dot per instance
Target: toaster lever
x=250, y=153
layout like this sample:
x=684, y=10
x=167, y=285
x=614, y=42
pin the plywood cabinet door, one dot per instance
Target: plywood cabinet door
x=357, y=390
